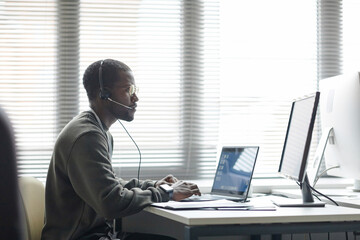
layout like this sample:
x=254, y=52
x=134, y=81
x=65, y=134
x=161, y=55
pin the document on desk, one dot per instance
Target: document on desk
x=211, y=205
x=201, y=205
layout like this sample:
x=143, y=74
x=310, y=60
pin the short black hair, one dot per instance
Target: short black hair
x=110, y=70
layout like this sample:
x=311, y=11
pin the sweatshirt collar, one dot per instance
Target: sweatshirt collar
x=101, y=124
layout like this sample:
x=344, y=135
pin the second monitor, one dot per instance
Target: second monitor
x=296, y=149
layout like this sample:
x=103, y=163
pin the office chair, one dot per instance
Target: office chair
x=11, y=221
x=33, y=198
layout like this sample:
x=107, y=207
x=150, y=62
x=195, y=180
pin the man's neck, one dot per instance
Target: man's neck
x=103, y=115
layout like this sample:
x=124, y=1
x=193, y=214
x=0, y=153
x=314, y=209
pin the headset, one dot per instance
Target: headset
x=106, y=94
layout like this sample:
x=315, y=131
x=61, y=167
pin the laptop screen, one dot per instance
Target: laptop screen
x=235, y=170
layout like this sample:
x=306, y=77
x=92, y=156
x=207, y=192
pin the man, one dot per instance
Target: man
x=83, y=195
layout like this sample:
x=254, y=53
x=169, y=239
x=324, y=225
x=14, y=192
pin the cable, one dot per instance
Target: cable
x=317, y=197
x=322, y=173
x=299, y=184
x=138, y=175
x=313, y=189
x=312, y=194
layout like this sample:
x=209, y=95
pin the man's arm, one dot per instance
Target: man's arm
x=91, y=175
x=144, y=184
x=181, y=189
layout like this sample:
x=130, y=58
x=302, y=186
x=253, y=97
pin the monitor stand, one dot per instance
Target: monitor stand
x=314, y=172
x=306, y=201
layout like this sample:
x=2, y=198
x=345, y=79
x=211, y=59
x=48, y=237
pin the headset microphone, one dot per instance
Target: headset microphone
x=119, y=103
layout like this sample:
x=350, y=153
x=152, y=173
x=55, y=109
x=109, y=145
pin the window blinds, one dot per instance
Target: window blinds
x=210, y=73
x=28, y=79
x=329, y=14
x=172, y=47
x=169, y=45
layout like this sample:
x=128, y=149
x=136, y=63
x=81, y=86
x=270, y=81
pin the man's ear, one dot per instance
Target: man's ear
x=105, y=93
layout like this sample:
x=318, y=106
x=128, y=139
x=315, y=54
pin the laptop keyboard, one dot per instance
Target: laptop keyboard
x=209, y=197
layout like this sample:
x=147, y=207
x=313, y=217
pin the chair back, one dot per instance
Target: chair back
x=33, y=197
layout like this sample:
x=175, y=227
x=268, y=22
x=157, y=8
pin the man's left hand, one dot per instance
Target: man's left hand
x=169, y=179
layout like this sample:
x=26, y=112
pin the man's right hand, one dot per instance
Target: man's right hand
x=184, y=190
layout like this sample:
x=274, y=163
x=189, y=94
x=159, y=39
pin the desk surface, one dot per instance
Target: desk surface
x=225, y=221
x=344, y=197
x=281, y=215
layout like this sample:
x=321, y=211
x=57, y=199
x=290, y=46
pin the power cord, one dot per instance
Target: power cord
x=313, y=189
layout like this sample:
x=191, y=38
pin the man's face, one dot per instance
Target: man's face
x=121, y=93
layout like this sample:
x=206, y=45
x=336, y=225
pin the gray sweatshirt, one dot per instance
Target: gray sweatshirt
x=82, y=190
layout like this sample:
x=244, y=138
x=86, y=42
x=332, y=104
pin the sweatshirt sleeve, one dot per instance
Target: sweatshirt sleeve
x=91, y=175
x=145, y=184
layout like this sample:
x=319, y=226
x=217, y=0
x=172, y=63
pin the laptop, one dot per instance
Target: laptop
x=233, y=175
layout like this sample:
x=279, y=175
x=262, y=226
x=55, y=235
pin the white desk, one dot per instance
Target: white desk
x=344, y=197
x=193, y=224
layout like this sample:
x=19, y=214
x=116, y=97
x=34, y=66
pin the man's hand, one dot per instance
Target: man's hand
x=169, y=179
x=184, y=190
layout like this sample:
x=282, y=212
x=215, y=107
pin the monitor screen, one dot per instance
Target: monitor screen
x=298, y=138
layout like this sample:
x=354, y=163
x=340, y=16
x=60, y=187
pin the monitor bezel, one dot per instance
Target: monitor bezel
x=302, y=171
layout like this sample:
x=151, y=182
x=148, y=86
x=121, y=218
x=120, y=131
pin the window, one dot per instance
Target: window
x=268, y=58
x=210, y=73
x=351, y=36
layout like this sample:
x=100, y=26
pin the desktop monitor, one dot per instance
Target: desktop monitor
x=296, y=148
x=340, y=111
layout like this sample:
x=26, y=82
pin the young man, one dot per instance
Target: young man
x=83, y=195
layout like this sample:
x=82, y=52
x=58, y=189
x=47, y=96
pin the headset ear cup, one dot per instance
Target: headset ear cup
x=105, y=94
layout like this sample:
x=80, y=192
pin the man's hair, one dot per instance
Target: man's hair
x=110, y=74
